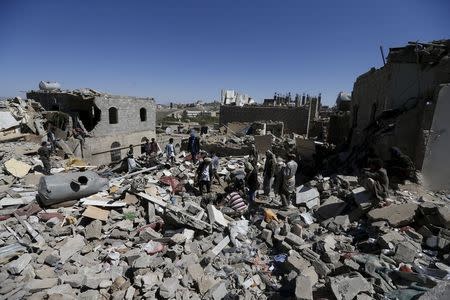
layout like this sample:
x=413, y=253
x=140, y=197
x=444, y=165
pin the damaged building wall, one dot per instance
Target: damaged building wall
x=112, y=121
x=436, y=169
x=398, y=85
x=295, y=119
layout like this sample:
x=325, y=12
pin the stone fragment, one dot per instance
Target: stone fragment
x=444, y=216
x=90, y=295
x=130, y=293
x=303, y=288
x=219, y=291
x=93, y=230
x=362, y=198
x=72, y=246
x=220, y=246
x=439, y=292
x=63, y=289
x=396, y=215
x=17, y=266
x=390, y=238
x=74, y=280
x=331, y=207
x=306, y=194
x=168, y=288
x=346, y=287
x=216, y=216
x=196, y=271
x=206, y=283
x=36, y=285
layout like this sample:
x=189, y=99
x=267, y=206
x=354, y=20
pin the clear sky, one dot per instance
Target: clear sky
x=185, y=50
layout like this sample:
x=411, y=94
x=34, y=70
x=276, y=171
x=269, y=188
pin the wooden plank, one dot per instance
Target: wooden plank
x=96, y=213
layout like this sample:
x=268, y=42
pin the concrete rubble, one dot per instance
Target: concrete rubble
x=151, y=235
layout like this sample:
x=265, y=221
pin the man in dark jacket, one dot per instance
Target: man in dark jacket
x=251, y=182
x=44, y=156
x=194, y=146
x=269, y=172
x=205, y=175
x=376, y=181
x=400, y=167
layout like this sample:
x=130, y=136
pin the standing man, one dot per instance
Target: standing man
x=278, y=177
x=269, y=172
x=215, y=166
x=51, y=138
x=132, y=164
x=204, y=175
x=170, y=151
x=154, y=147
x=288, y=188
x=251, y=182
x=253, y=156
x=194, y=146
x=44, y=156
x=146, y=146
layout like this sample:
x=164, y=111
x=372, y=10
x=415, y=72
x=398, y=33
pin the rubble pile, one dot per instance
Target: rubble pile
x=151, y=235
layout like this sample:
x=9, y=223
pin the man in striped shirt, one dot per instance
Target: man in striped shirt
x=235, y=205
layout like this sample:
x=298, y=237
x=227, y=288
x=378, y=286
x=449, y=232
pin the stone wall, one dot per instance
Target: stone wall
x=295, y=119
x=391, y=87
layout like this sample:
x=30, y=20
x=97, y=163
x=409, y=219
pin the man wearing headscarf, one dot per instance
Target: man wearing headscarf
x=269, y=172
x=288, y=188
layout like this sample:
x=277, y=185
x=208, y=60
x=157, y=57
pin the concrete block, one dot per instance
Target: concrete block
x=303, y=288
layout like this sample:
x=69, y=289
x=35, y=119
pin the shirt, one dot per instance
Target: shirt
x=170, y=150
x=205, y=174
x=235, y=201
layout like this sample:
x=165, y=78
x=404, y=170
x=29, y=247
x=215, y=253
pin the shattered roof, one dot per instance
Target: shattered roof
x=419, y=52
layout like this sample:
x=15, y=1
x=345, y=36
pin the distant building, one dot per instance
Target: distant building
x=231, y=97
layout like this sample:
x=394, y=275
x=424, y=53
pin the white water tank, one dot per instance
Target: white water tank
x=49, y=85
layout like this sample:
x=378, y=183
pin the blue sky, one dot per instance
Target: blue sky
x=187, y=50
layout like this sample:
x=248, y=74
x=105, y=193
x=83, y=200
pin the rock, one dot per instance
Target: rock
x=90, y=295
x=72, y=246
x=74, y=280
x=306, y=194
x=331, y=207
x=168, y=288
x=397, y=214
x=206, y=283
x=63, y=289
x=303, y=288
x=405, y=253
x=444, y=216
x=362, y=198
x=36, y=285
x=439, y=292
x=196, y=271
x=389, y=239
x=346, y=287
x=17, y=266
x=130, y=293
x=94, y=230
x=219, y=291
x=45, y=272
x=295, y=262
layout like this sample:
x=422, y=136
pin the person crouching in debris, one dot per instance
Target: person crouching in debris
x=233, y=205
x=269, y=172
x=251, y=182
x=288, y=188
x=44, y=156
x=194, y=146
x=170, y=151
x=400, y=167
x=132, y=164
x=204, y=175
x=376, y=181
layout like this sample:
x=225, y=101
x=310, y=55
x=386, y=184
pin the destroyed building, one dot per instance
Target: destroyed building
x=395, y=105
x=112, y=122
x=296, y=119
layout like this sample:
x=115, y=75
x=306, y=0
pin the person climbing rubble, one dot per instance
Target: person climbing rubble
x=44, y=156
x=205, y=175
x=269, y=172
x=251, y=182
x=194, y=146
x=400, y=167
x=170, y=151
x=215, y=167
x=233, y=204
x=376, y=181
x=288, y=186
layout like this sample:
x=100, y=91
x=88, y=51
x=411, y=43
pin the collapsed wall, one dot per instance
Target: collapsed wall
x=295, y=119
x=393, y=105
